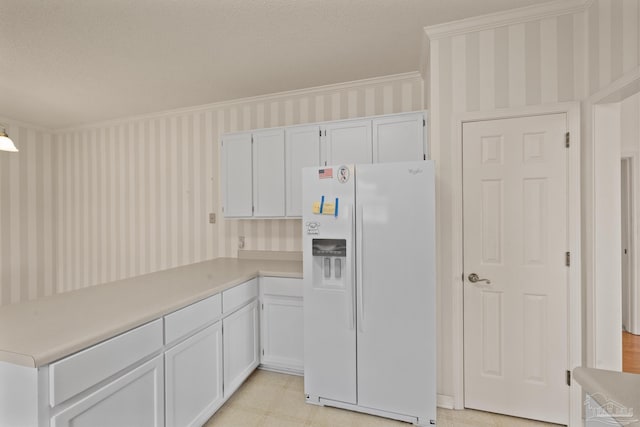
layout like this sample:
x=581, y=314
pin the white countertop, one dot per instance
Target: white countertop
x=39, y=332
x=620, y=388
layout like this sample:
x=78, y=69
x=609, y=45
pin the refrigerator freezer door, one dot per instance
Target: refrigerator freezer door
x=396, y=252
x=329, y=325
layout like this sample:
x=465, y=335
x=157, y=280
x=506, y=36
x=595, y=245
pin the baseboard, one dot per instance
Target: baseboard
x=444, y=401
x=282, y=370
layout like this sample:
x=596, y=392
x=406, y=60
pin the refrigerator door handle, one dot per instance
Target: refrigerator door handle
x=351, y=312
x=360, y=269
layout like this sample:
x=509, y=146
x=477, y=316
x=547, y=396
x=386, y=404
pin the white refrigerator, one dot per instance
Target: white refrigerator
x=369, y=289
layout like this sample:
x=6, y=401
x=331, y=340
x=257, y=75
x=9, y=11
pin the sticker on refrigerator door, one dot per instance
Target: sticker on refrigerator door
x=325, y=173
x=313, y=227
x=329, y=208
x=343, y=174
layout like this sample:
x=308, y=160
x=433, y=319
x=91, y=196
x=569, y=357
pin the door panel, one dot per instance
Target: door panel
x=399, y=138
x=302, y=150
x=348, y=142
x=268, y=173
x=237, y=175
x=282, y=332
x=193, y=371
x=133, y=399
x=396, y=322
x=241, y=339
x=328, y=304
x=515, y=236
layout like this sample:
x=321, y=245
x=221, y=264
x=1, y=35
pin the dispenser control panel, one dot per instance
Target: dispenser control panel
x=330, y=247
x=330, y=254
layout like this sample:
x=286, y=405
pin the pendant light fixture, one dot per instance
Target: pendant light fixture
x=6, y=144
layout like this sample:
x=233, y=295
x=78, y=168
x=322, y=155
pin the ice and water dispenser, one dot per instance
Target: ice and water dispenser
x=329, y=262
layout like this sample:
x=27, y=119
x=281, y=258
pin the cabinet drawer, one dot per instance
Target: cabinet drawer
x=238, y=296
x=190, y=318
x=86, y=368
x=282, y=286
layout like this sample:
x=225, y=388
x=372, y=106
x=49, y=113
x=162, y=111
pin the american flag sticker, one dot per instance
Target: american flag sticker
x=325, y=173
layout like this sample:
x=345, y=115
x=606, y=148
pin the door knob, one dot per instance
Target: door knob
x=474, y=278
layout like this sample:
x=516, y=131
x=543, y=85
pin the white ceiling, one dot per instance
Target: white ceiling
x=67, y=62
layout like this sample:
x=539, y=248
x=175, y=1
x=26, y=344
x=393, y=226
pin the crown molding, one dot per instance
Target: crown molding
x=14, y=123
x=393, y=78
x=507, y=17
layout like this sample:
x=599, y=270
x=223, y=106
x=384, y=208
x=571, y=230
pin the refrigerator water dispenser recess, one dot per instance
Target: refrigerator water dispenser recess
x=328, y=257
x=329, y=247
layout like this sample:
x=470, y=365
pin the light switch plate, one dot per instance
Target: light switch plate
x=212, y=218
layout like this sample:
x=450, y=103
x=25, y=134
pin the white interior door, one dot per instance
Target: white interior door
x=516, y=236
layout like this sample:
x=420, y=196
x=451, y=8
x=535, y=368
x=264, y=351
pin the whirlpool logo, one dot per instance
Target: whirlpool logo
x=415, y=171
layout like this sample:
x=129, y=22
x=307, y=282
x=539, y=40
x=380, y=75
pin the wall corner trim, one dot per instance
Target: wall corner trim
x=507, y=17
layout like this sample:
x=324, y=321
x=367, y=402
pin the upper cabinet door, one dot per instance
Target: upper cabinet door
x=398, y=138
x=302, y=149
x=347, y=142
x=268, y=173
x=237, y=174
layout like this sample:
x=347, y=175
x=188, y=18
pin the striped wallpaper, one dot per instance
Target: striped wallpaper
x=613, y=41
x=134, y=195
x=28, y=260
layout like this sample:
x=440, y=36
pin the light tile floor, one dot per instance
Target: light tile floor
x=268, y=399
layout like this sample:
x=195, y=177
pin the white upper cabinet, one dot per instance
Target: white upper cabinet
x=398, y=138
x=237, y=174
x=261, y=170
x=347, y=141
x=302, y=149
x=253, y=174
x=268, y=173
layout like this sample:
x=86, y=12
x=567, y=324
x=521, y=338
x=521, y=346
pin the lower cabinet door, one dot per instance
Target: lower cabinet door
x=282, y=333
x=241, y=342
x=193, y=372
x=134, y=399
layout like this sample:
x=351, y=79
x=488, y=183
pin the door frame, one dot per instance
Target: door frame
x=574, y=302
x=603, y=345
x=631, y=158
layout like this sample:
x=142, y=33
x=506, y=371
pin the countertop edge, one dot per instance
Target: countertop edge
x=57, y=353
x=18, y=359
